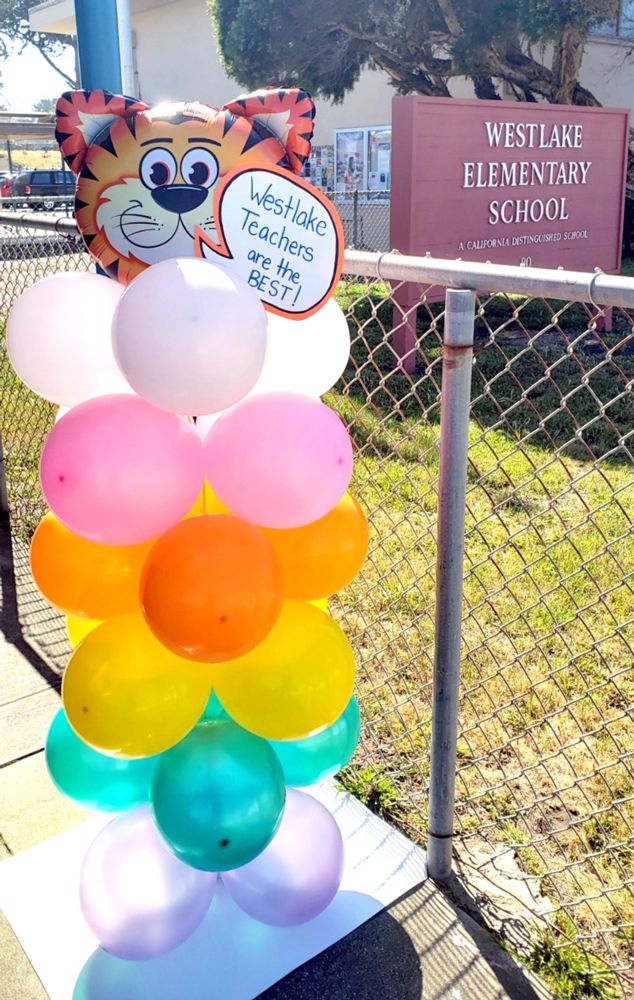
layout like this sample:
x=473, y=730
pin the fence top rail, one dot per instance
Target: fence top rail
x=33, y=220
x=595, y=288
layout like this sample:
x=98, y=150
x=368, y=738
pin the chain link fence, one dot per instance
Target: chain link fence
x=366, y=218
x=545, y=776
x=545, y=772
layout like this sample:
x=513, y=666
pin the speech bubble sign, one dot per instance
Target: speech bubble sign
x=280, y=235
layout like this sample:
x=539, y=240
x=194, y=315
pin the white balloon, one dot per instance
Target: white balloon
x=307, y=355
x=189, y=337
x=58, y=337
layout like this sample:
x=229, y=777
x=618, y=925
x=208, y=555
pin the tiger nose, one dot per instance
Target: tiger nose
x=179, y=198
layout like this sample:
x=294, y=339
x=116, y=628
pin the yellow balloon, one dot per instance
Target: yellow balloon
x=296, y=682
x=126, y=695
x=198, y=506
x=78, y=628
x=322, y=604
x=212, y=503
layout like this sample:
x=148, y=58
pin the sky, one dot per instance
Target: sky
x=27, y=77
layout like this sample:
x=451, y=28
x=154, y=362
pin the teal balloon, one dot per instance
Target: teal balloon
x=316, y=757
x=218, y=796
x=213, y=709
x=92, y=779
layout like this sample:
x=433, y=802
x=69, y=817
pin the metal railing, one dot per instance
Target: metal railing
x=541, y=750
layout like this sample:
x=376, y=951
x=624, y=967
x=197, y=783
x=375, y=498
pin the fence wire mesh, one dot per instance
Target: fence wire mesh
x=545, y=779
x=366, y=218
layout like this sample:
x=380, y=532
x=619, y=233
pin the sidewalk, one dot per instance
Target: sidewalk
x=421, y=948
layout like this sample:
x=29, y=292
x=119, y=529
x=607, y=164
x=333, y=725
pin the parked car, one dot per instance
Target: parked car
x=53, y=184
x=6, y=189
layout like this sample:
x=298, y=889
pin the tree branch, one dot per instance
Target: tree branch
x=484, y=88
x=567, y=58
x=69, y=80
x=451, y=19
x=527, y=74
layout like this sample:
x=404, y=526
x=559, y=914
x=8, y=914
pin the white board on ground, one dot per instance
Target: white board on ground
x=230, y=956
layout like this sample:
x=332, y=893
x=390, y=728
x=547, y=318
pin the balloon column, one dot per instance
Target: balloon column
x=206, y=683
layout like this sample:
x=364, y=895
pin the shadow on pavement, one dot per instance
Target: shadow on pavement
x=12, y=610
x=422, y=948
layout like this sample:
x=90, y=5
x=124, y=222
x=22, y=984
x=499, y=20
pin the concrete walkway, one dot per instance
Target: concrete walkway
x=422, y=948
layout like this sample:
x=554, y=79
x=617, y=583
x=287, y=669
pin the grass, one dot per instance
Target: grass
x=627, y=266
x=570, y=971
x=547, y=684
x=31, y=159
x=377, y=791
x=547, y=680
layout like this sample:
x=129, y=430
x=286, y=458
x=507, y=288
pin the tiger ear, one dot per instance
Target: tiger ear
x=287, y=113
x=82, y=114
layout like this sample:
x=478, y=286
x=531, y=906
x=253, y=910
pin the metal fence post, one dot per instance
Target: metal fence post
x=4, y=497
x=454, y=429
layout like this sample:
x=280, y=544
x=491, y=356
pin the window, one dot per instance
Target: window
x=41, y=177
x=363, y=161
x=621, y=25
x=350, y=159
x=379, y=147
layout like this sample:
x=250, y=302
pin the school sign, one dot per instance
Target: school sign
x=509, y=182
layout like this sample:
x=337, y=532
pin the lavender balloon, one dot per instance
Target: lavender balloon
x=136, y=896
x=299, y=873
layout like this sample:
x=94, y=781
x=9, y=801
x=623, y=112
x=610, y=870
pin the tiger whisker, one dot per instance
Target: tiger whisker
x=132, y=215
x=137, y=232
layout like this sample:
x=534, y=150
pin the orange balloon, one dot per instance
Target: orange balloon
x=211, y=588
x=321, y=558
x=83, y=578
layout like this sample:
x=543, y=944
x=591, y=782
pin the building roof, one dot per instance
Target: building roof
x=31, y=125
x=58, y=16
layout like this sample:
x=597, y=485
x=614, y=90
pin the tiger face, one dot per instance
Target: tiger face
x=146, y=177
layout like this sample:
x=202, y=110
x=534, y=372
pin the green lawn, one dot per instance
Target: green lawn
x=547, y=675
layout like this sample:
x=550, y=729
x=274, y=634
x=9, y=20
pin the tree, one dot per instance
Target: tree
x=15, y=29
x=45, y=104
x=421, y=44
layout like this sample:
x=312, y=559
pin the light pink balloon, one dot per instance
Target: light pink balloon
x=118, y=470
x=190, y=337
x=59, y=339
x=280, y=460
x=138, y=899
x=300, y=871
x=306, y=355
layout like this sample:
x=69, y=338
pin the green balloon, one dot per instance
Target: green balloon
x=213, y=709
x=218, y=796
x=316, y=757
x=92, y=779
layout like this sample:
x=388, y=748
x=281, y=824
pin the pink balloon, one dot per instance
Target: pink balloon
x=299, y=873
x=118, y=470
x=136, y=896
x=280, y=460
